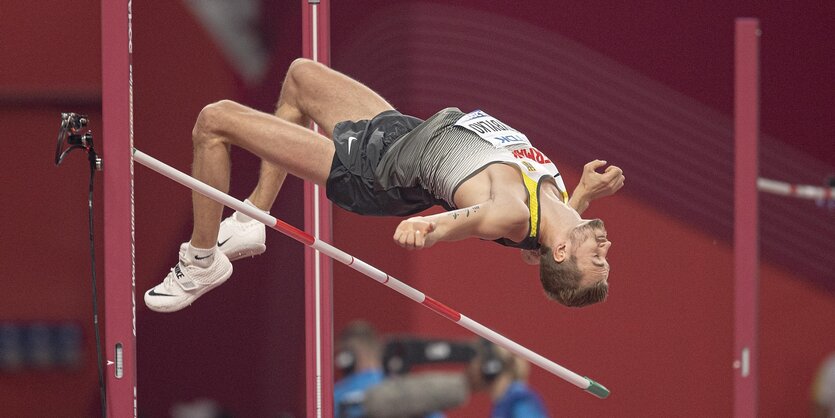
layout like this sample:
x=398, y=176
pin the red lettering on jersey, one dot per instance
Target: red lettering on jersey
x=531, y=154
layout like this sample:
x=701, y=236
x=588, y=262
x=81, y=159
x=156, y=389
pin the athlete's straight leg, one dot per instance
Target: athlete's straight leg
x=311, y=91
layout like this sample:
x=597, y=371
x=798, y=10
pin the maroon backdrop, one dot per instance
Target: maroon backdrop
x=662, y=343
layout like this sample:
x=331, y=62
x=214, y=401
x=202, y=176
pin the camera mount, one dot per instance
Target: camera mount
x=74, y=134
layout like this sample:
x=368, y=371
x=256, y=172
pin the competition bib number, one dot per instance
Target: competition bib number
x=533, y=163
x=491, y=129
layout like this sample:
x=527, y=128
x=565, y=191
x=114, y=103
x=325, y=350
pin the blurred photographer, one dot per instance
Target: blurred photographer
x=358, y=357
x=504, y=376
x=366, y=391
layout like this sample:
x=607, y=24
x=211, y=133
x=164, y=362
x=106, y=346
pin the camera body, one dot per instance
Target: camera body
x=75, y=134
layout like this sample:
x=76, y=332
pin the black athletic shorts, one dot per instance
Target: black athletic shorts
x=352, y=183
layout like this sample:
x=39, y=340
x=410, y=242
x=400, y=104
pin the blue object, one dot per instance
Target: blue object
x=519, y=401
x=349, y=392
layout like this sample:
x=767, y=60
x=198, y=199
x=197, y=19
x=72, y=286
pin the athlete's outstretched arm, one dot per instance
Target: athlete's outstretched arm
x=488, y=220
x=594, y=185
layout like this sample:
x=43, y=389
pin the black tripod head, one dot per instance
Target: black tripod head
x=74, y=134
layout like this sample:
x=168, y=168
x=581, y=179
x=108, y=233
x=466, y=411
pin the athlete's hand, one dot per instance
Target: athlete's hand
x=594, y=185
x=603, y=184
x=415, y=233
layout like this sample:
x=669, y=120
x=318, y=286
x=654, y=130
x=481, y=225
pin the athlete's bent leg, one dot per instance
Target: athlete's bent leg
x=286, y=145
x=271, y=177
x=328, y=97
x=314, y=92
x=311, y=92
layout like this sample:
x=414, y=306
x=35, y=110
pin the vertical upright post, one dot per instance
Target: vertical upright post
x=318, y=269
x=117, y=140
x=746, y=236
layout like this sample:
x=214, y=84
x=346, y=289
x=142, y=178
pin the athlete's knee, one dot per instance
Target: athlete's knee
x=210, y=121
x=304, y=66
x=302, y=71
x=300, y=80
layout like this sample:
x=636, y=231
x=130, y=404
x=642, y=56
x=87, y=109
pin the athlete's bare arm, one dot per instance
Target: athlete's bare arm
x=594, y=185
x=493, y=206
x=489, y=220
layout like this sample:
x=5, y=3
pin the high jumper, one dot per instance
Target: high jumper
x=374, y=160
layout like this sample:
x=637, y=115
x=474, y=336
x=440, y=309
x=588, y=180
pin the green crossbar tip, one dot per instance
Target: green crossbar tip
x=597, y=389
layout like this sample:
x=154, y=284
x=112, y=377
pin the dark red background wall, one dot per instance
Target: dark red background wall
x=243, y=348
x=663, y=343
x=45, y=252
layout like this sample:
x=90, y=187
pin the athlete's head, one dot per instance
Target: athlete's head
x=575, y=274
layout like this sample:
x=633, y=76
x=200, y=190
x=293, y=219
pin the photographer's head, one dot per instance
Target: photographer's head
x=494, y=368
x=358, y=348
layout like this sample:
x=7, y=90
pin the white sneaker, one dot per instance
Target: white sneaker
x=239, y=239
x=184, y=284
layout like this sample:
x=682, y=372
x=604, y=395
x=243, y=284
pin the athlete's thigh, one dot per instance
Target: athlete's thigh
x=329, y=97
x=298, y=150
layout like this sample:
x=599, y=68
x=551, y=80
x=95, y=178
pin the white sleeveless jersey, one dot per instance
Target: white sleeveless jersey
x=450, y=147
x=465, y=144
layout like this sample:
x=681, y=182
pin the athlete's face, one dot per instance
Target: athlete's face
x=591, y=246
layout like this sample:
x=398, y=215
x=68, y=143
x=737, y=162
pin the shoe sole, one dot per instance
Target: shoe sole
x=233, y=255
x=252, y=251
x=187, y=301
